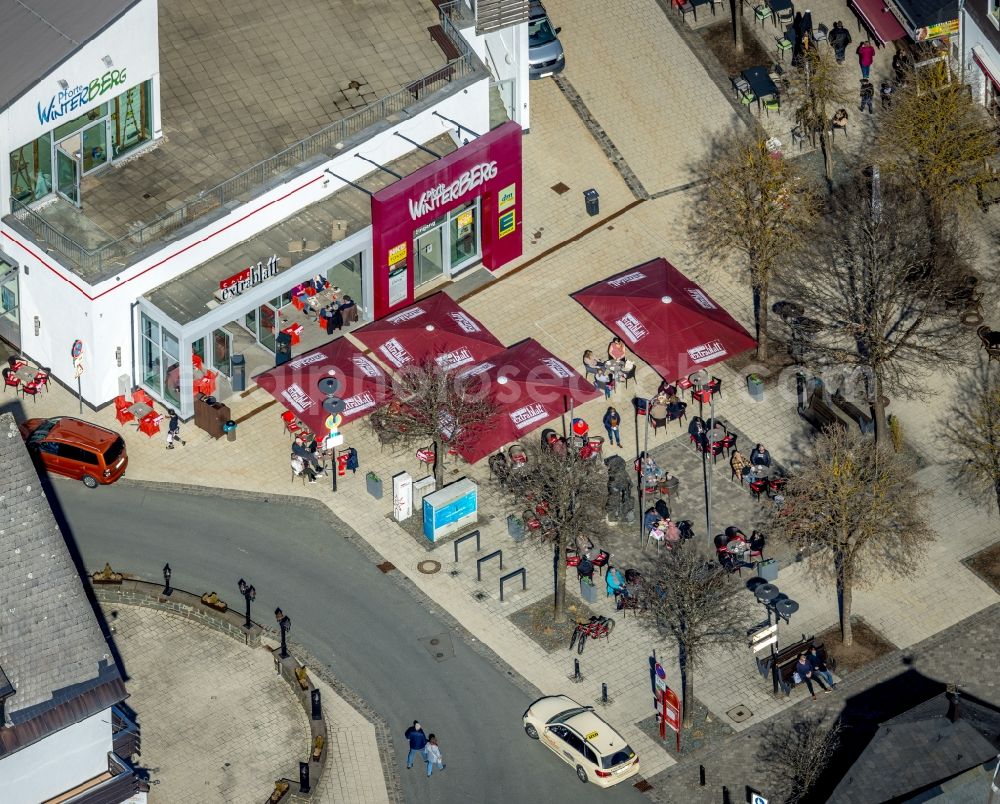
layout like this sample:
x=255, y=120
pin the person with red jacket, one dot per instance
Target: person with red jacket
x=866, y=56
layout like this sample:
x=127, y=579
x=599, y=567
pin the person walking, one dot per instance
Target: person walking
x=418, y=742
x=174, y=429
x=866, y=56
x=867, y=93
x=839, y=39
x=612, y=423
x=886, y=93
x=432, y=755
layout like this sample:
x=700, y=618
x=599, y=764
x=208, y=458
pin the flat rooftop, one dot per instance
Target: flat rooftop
x=239, y=82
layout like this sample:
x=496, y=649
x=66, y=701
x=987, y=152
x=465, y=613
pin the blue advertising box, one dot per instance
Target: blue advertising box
x=454, y=507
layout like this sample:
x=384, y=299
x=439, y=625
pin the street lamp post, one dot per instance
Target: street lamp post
x=249, y=594
x=166, y=580
x=285, y=624
x=783, y=607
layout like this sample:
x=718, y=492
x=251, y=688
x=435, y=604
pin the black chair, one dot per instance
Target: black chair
x=629, y=375
x=686, y=528
x=662, y=509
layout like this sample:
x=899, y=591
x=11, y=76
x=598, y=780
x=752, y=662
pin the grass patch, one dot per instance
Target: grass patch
x=536, y=621
x=719, y=38
x=868, y=646
x=986, y=564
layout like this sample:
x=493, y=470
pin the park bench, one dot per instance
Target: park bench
x=821, y=415
x=860, y=417
x=443, y=41
x=787, y=658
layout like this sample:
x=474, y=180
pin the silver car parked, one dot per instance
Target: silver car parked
x=545, y=51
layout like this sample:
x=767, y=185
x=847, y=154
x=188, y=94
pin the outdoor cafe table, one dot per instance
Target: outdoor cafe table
x=780, y=5
x=26, y=374
x=760, y=83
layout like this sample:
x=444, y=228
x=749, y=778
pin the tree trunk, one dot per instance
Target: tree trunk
x=827, y=141
x=687, y=690
x=760, y=315
x=736, y=6
x=996, y=489
x=559, y=609
x=844, y=593
x=883, y=436
x=438, y=463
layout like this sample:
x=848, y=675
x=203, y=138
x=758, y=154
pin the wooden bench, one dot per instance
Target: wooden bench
x=821, y=415
x=451, y=52
x=789, y=658
x=860, y=417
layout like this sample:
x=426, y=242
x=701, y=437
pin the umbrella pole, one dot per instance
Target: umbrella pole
x=642, y=477
x=563, y=417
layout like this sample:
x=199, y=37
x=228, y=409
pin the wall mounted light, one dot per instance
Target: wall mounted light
x=108, y=62
x=63, y=84
x=26, y=270
x=118, y=356
x=38, y=326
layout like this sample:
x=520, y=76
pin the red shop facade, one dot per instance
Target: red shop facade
x=461, y=210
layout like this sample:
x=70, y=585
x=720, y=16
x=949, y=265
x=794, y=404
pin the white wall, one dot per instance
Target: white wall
x=505, y=53
x=100, y=315
x=58, y=763
x=973, y=37
x=133, y=45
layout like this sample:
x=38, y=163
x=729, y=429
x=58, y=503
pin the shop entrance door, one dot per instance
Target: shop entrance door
x=68, y=169
x=430, y=254
x=267, y=316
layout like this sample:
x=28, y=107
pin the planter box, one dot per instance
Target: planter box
x=755, y=386
x=373, y=483
x=588, y=591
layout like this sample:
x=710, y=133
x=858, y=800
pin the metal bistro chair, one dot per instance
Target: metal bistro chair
x=992, y=350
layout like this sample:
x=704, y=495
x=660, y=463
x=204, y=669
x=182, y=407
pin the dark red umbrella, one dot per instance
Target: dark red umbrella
x=361, y=383
x=665, y=318
x=531, y=387
x=433, y=327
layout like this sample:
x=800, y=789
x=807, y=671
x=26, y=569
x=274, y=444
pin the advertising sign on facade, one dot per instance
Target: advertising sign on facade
x=949, y=28
x=488, y=168
x=248, y=278
x=450, y=509
x=507, y=223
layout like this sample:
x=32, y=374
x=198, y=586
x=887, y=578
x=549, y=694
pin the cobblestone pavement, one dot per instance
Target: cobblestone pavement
x=217, y=723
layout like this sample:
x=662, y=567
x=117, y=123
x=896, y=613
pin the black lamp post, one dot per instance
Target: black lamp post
x=166, y=580
x=249, y=594
x=783, y=608
x=285, y=624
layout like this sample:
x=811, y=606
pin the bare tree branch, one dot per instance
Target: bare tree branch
x=797, y=757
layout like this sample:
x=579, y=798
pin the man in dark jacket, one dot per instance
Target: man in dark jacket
x=418, y=740
x=759, y=456
x=867, y=93
x=839, y=39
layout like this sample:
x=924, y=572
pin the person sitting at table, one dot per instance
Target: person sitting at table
x=675, y=408
x=590, y=363
x=616, y=349
x=839, y=119
x=602, y=382
x=300, y=467
x=698, y=432
x=670, y=530
x=615, y=581
x=319, y=282
x=662, y=509
x=650, y=469
x=650, y=520
x=658, y=411
x=299, y=448
x=739, y=464
x=335, y=318
x=667, y=388
x=759, y=456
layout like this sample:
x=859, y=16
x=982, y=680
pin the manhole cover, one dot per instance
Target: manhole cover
x=739, y=713
x=386, y=566
x=429, y=567
x=643, y=786
x=480, y=595
x=560, y=188
x=439, y=646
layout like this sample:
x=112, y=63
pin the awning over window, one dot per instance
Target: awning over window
x=986, y=65
x=878, y=20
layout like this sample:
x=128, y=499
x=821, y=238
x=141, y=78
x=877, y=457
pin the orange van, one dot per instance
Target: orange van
x=77, y=449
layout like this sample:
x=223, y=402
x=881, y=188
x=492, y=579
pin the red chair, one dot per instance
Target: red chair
x=426, y=455
x=124, y=415
x=757, y=542
x=297, y=303
x=30, y=388
x=291, y=425
x=703, y=395
x=729, y=443
x=42, y=380
x=775, y=485
x=10, y=380
x=150, y=423
x=757, y=487
x=206, y=385
x=121, y=402
x=17, y=364
x=139, y=395
x=197, y=362
x=684, y=384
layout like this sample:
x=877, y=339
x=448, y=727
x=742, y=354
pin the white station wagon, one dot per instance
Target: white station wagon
x=583, y=740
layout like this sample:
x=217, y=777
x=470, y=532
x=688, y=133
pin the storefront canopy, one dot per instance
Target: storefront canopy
x=530, y=386
x=433, y=327
x=878, y=19
x=362, y=384
x=665, y=318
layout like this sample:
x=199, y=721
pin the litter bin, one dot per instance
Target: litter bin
x=229, y=428
x=282, y=348
x=593, y=201
x=239, y=364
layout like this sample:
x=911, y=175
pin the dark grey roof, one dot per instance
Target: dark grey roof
x=917, y=749
x=923, y=13
x=37, y=36
x=51, y=646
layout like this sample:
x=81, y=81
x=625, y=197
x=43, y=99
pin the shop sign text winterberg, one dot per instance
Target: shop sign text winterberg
x=73, y=98
x=434, y=197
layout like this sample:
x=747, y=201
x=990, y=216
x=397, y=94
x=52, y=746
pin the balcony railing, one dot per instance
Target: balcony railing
x=122, y=785
x=253, y=181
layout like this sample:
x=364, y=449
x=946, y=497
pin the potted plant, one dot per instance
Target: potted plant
x=587, y=590
x=374, y=485
x=755, y=385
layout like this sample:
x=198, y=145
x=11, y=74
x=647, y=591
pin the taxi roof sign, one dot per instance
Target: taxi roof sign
x=592, y=735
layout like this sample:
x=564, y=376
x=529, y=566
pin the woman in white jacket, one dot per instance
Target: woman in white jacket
x=432, y=755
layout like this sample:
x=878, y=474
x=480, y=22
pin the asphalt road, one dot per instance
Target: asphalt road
x=366, y=626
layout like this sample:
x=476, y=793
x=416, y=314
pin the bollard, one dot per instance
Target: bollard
x=725, y=795
x=701, y=775
x=317, y=708
x=304, y=777
x=576, y=669
x=604, y=693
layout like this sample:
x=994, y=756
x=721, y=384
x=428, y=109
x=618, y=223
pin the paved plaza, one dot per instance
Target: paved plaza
x=646, y=115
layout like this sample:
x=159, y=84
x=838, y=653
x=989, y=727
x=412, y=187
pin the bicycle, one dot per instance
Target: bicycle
x=596, y=627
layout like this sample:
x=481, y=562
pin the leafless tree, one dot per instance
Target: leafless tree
x=796, y=757
x=430, y=406
x=566, y=494
x=756, y=204
x=875, y=288
x=856, y=510
x=973, y=430
x=698, y=605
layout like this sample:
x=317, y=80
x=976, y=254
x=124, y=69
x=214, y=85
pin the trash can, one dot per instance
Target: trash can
x=282, y=348
x=239, y=364
x=592, y=199
x=768, y=569
x=229, y=428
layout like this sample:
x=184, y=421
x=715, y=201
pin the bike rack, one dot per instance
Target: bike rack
x=524, y=579
x=479, y=562
x=466, y=537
